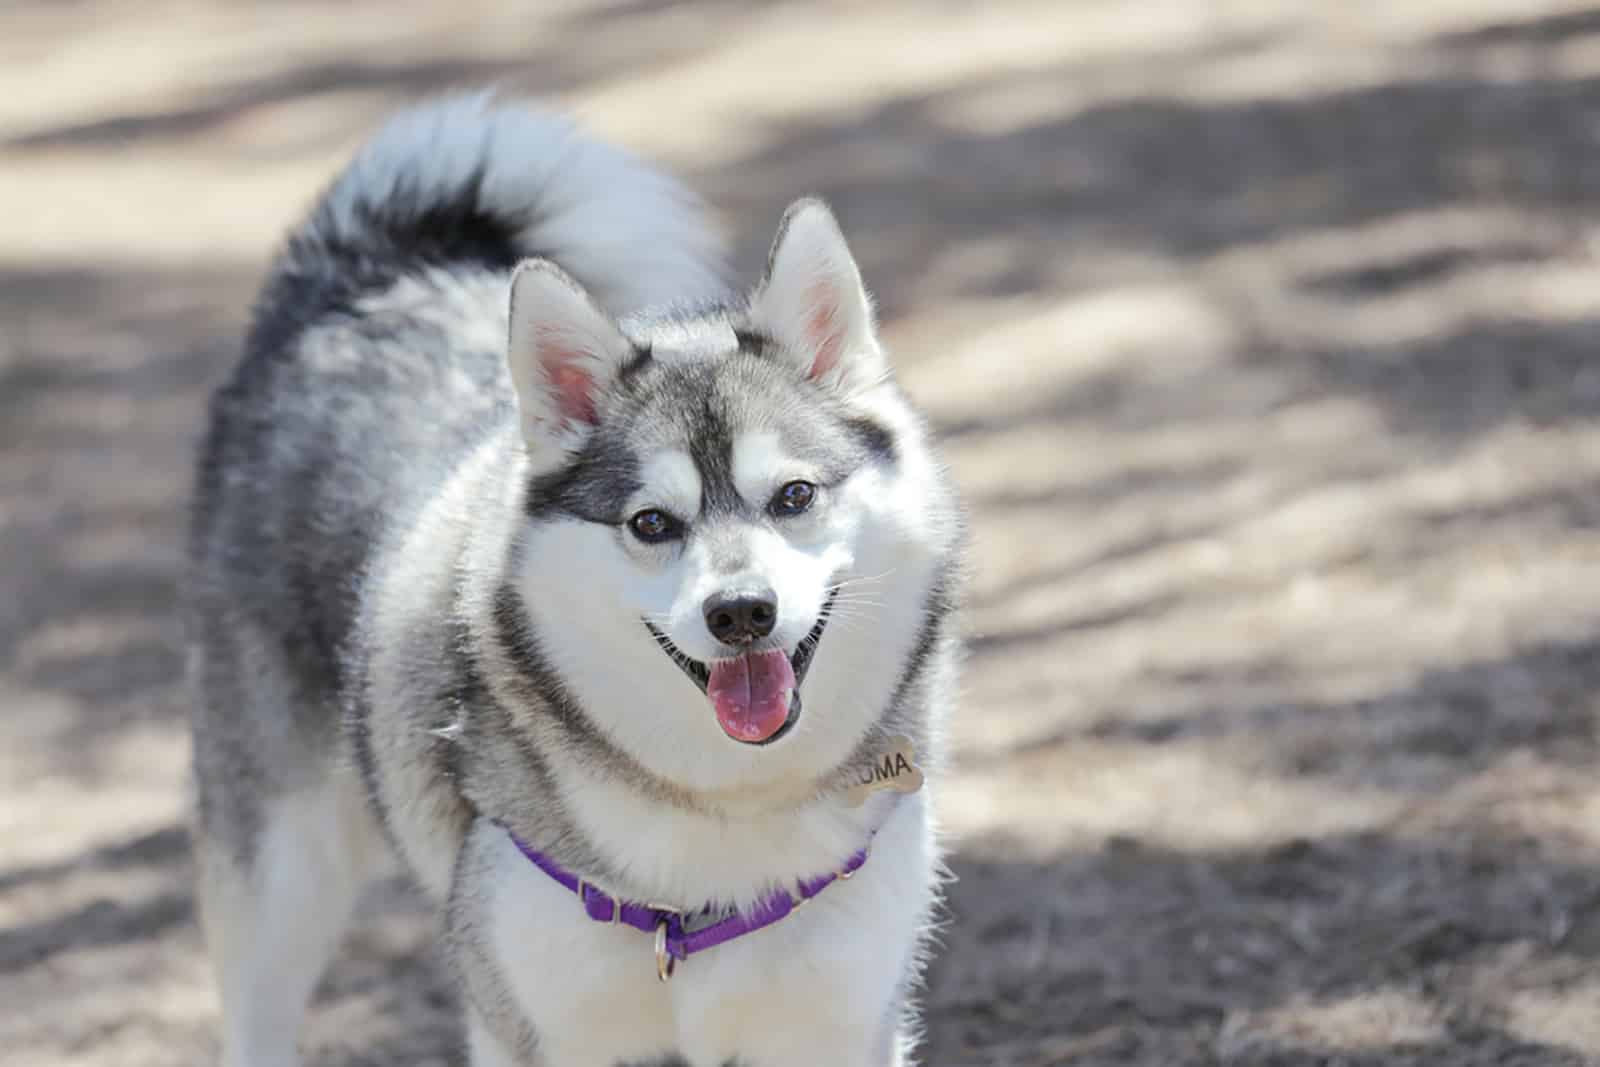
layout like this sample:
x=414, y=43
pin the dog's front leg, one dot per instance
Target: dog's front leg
x=498, y=1033
x=545, y=985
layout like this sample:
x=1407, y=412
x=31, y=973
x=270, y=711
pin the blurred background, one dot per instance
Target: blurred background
x=1262, y=336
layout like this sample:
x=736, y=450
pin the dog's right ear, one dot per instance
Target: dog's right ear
x=563, y=352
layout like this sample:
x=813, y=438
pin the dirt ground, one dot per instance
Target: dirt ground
x=1262, y=337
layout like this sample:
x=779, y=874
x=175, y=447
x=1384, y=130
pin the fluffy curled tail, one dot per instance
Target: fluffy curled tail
x=469, y=179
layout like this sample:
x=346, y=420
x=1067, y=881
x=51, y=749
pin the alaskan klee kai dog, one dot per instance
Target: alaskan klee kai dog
x=609, y=600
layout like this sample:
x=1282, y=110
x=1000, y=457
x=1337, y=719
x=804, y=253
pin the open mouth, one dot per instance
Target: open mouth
x=756, y=694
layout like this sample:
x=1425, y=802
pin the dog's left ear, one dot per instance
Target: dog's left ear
x=813, y=304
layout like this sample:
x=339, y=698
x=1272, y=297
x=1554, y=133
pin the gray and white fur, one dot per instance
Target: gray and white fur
x=422, y=613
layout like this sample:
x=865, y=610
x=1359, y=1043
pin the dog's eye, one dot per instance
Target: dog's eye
x=652, y=526
x=793, y=499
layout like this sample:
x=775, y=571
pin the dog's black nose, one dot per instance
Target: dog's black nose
x=740, y=618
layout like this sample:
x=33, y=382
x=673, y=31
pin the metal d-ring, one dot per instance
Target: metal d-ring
x=665, y=963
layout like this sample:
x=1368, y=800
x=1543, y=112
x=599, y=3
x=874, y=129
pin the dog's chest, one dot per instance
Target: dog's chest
x=591, y=993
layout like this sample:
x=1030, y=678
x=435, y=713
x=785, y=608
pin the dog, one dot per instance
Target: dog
x=621, y=605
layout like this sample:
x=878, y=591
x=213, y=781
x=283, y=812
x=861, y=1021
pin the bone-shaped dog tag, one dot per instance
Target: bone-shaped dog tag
x=894, y=767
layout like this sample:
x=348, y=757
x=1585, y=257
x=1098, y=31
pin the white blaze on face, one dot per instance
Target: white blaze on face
x=799, y=556
x=760, y=465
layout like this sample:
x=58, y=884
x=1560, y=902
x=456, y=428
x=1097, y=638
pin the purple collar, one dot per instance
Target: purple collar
x=679, y=936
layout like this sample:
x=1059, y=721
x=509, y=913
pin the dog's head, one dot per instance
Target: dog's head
x=734, y=521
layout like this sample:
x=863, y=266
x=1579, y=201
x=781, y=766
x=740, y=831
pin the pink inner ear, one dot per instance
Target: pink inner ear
x=573, y=386
x=574, y=392
x=822, y=328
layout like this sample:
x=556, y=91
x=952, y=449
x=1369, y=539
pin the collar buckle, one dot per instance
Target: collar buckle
x=584, y=888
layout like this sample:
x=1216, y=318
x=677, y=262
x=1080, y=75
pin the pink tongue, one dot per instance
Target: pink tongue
x=751, y=694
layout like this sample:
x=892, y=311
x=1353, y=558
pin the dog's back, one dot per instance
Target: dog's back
x=374, y=361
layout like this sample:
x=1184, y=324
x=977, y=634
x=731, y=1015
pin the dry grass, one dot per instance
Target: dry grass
x=1263, y=340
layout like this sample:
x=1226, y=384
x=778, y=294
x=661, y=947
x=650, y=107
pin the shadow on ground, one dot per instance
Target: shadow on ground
x=1283, y=956
x=1127, y=954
